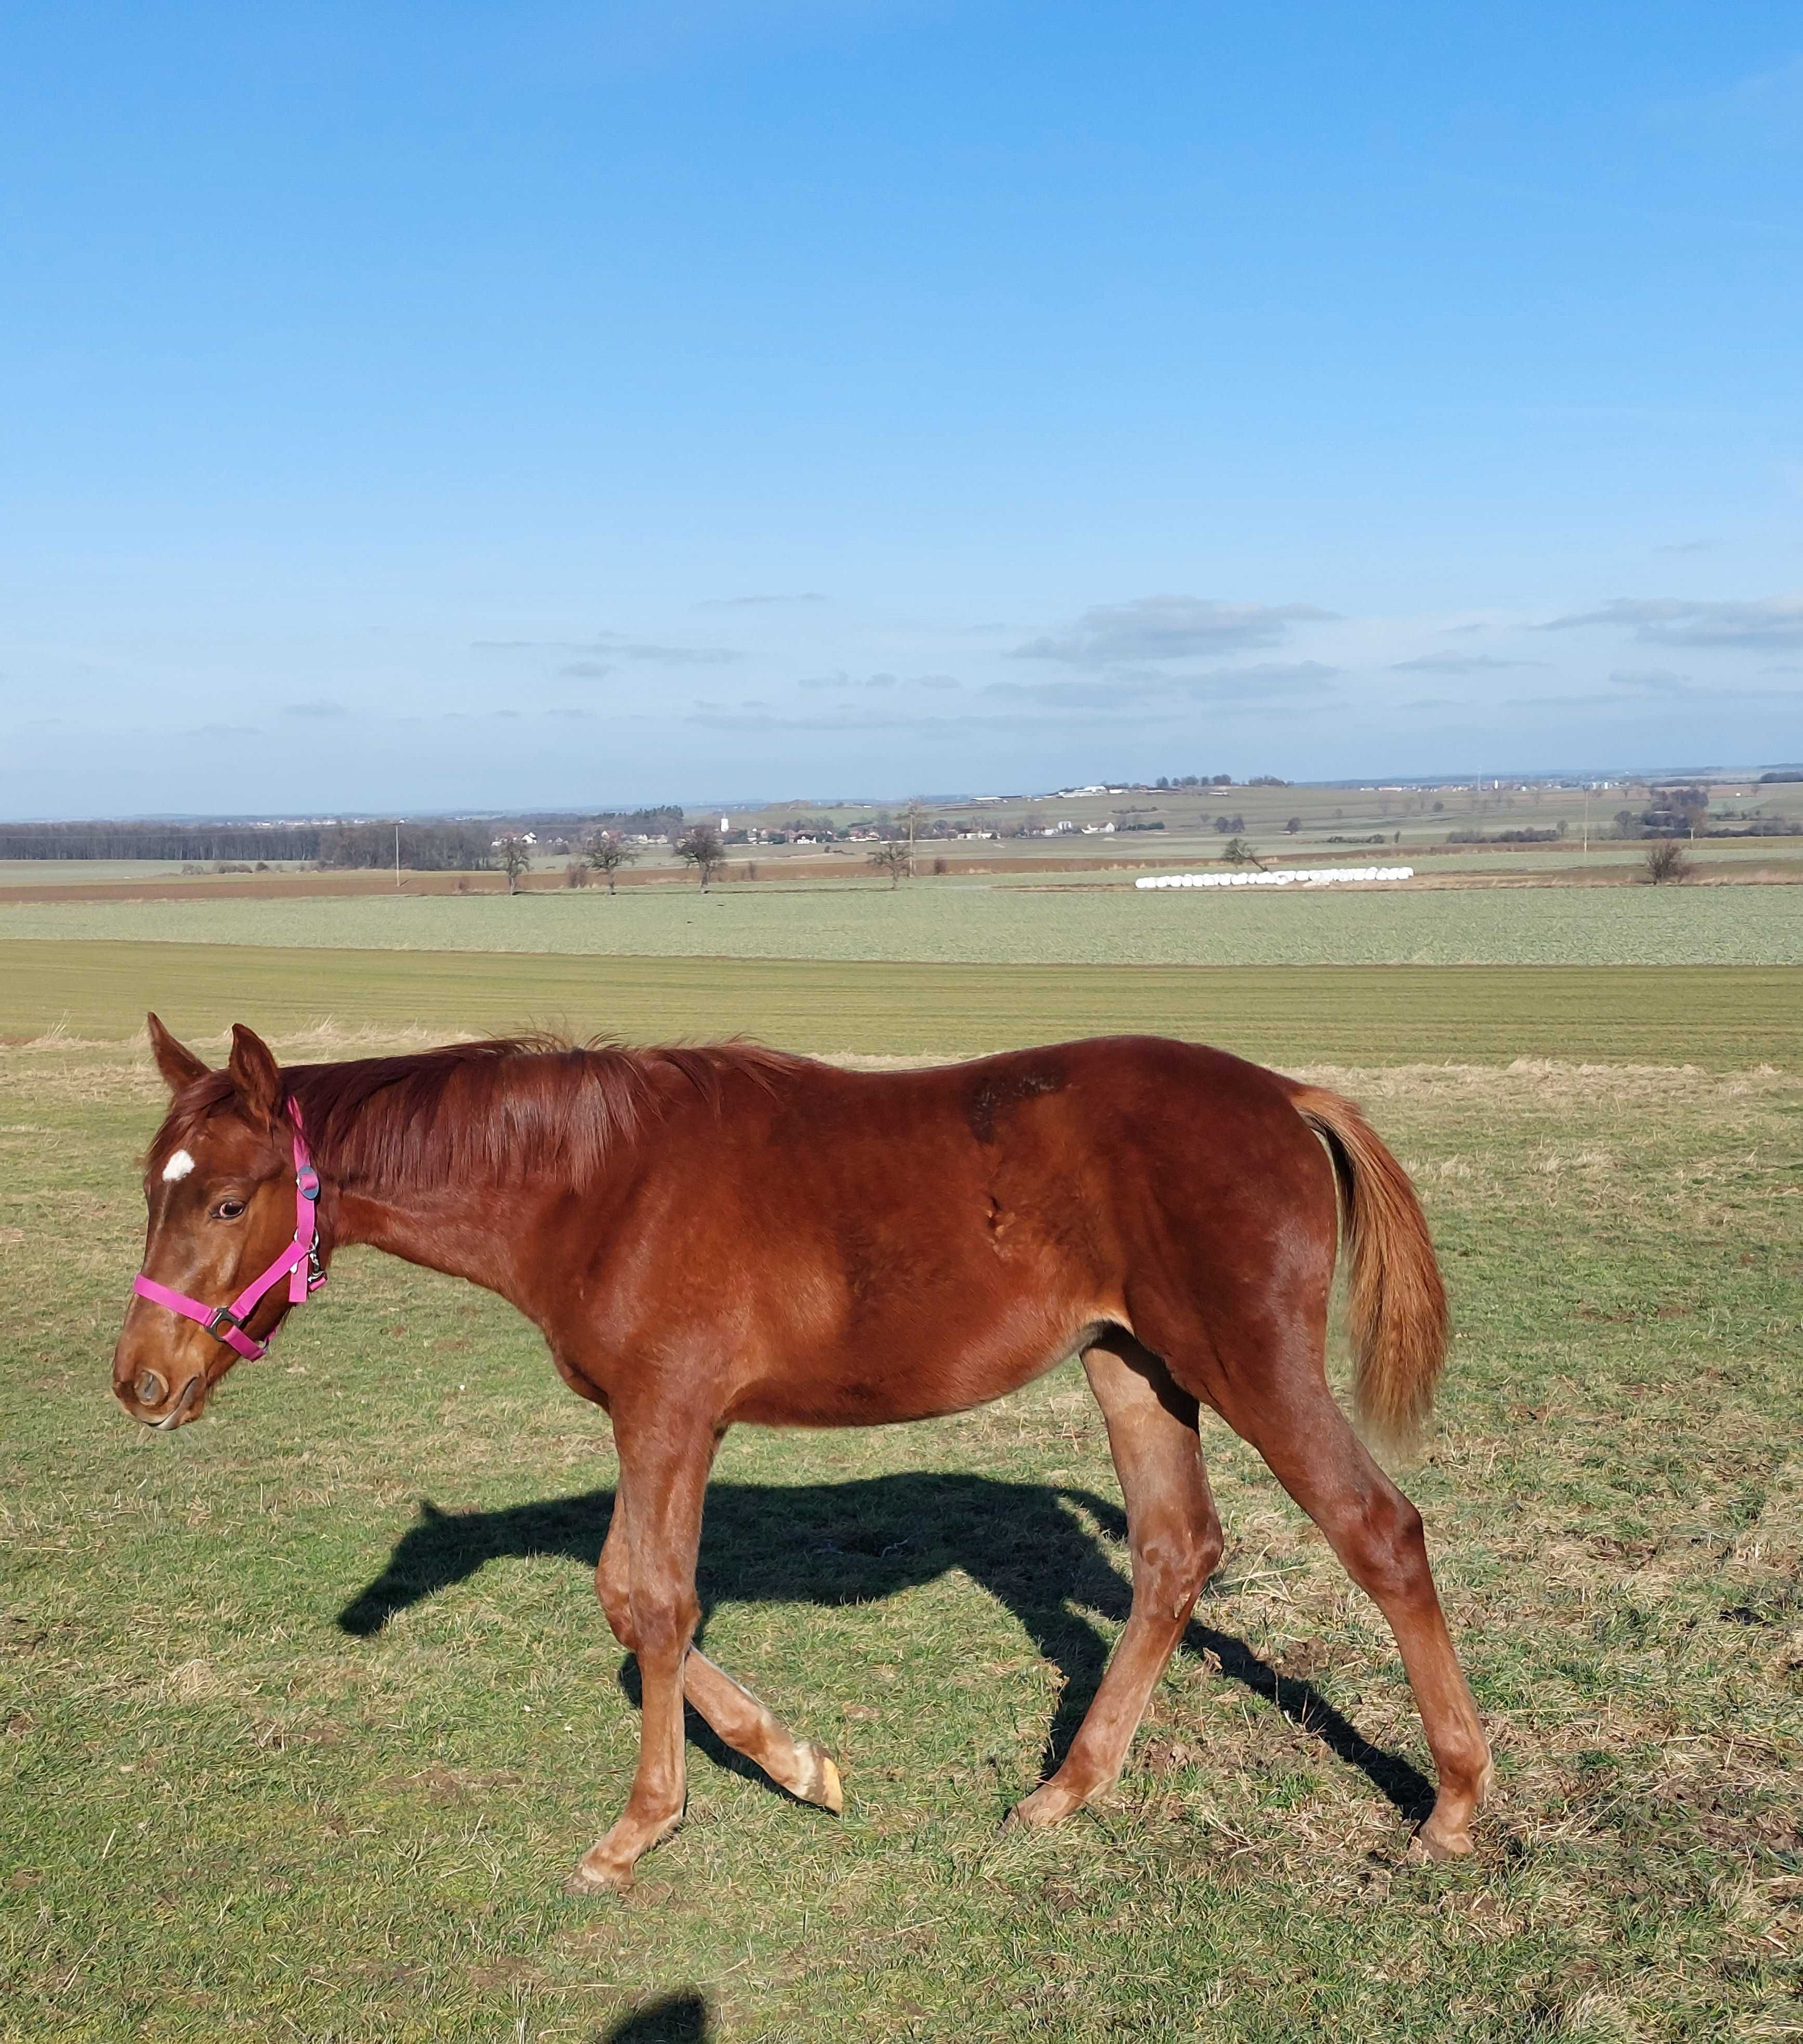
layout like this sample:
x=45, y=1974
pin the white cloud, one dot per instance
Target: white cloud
x=1130, y=690
x=1169, y=628
x=1669, y=620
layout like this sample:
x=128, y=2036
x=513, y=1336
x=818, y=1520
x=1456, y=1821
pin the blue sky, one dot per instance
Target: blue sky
x=506, y=403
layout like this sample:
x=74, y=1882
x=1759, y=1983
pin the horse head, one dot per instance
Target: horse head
x=220, y=1184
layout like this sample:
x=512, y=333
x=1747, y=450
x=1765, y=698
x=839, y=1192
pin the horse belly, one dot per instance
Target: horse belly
x=914, y=1368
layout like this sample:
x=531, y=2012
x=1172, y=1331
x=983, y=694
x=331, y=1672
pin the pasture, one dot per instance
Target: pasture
x=308, y=1708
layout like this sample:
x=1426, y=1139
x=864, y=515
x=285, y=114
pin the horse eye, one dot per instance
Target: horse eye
x=229, y=1209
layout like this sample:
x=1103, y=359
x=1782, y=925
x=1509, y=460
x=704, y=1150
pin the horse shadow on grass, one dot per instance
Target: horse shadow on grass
x=672, y=2019
x=833, y=1544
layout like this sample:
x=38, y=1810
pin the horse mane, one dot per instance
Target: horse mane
x=494, y=1111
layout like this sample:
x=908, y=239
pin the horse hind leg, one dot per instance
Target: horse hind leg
x=1377, y=1533
x=1175, y=1537
x=805, y=1769
x=1274, y=1393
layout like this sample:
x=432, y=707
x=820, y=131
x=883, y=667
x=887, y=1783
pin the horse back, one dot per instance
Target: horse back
x=838, y=1248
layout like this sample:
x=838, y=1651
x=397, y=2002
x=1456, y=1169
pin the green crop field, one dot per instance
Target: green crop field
x=1719, y=1017
x=1009, y=925
x=308, y=1709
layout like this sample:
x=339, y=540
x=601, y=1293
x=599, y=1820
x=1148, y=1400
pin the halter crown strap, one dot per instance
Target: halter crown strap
x=299, y=1263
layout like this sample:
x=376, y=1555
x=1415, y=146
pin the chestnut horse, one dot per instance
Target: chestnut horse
x=723, y=1233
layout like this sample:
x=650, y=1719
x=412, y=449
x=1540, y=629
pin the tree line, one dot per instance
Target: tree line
x=441, y=847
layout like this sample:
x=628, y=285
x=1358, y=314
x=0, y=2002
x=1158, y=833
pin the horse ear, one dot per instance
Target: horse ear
x=178, y=1064
x=255, y=1072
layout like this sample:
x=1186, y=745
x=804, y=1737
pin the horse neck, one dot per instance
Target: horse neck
x=448, y=1208
x=454, y=1228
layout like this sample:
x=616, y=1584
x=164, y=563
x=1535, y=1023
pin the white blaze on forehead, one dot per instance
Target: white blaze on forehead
x=179, y=1167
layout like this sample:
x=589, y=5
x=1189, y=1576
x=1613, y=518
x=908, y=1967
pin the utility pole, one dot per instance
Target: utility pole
x=397, y=858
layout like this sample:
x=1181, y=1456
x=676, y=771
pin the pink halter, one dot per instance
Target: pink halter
x=299, y=1263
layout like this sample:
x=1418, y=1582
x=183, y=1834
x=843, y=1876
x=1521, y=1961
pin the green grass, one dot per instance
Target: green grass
x=222, y=1813
x=1719, y=1017
x=362, y=1835
x=960, y=922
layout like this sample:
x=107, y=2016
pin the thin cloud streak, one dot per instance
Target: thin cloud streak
x=615, y=645
x=1221, y=686
x=1169, y=628
x=1457, y=663
x=1771, y=622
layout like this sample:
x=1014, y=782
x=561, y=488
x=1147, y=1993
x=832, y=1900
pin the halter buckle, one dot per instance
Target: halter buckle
x=222, y=1318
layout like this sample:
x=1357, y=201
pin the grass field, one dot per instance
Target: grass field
x=1721, y=1017
x=308, y=1708
x=959, y=922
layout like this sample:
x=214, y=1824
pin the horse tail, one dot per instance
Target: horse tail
x=1396, y=1312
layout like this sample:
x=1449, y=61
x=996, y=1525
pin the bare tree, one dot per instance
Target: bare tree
x=895, y=859
x=699, y=846
x=607, y=852
x=576, y=875
x=516, y=860
x=914, y=821
x=1666, y=861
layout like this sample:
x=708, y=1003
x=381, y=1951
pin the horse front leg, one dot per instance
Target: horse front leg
x=804, y=1769
x=664, y=1460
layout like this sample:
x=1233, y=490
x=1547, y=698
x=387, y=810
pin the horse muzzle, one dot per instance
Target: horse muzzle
x=148, y=1398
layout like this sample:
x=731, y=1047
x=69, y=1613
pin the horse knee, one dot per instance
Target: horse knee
x=663, y=1620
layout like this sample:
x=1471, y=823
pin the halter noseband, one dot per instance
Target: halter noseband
x=299, y=1263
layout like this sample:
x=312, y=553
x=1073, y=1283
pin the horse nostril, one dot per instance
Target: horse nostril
x=149, y=1388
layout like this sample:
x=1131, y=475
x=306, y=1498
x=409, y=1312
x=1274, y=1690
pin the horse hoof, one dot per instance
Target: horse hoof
x=1034, y=1812
x=1429, y=1845
x=824, y=1787
x=594, y=1875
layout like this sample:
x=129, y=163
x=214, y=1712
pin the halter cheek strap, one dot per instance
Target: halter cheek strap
x=299, y=1263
